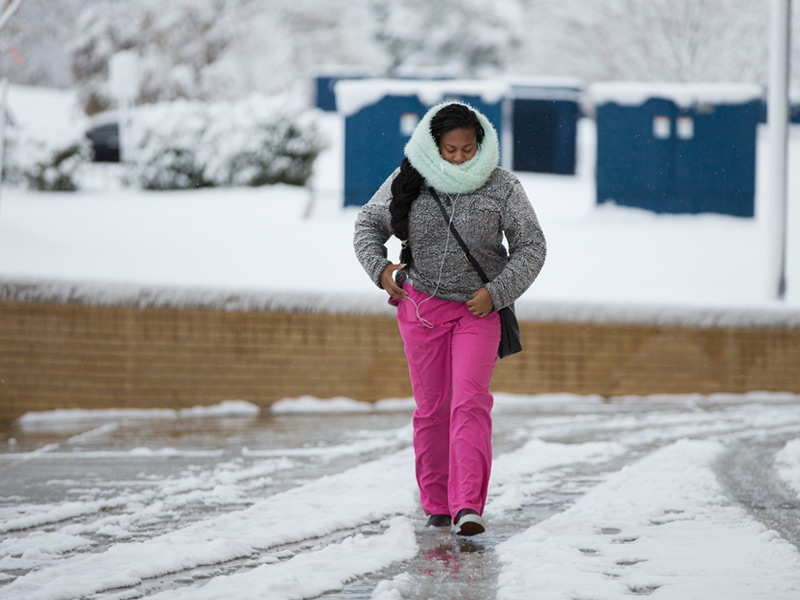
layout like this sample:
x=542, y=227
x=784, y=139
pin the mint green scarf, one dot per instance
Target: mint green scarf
x=423, y=153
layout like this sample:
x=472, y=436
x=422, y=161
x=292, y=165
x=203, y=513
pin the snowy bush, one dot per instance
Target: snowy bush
x=251, y=142
x=165, y=139
x=257, y=142
x=44, y=166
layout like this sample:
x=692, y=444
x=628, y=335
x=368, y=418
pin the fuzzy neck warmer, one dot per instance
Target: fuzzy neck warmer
x=423, y=153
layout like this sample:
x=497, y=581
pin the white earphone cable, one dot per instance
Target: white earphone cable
x=423, y=320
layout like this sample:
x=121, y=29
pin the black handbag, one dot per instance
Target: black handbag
x=509, y=327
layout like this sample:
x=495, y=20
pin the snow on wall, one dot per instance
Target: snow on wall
x=352, y=96
x=376, y=304
x=683, y=94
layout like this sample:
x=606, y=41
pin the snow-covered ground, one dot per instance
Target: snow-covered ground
x=675, y=498
x=295, y=243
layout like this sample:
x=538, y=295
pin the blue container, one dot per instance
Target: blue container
x=544, y=126
x=325, y=84
x=682, y=150
x=376, y=131
x=794, y=111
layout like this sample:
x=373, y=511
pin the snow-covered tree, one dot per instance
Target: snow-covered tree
x=277, y=45
x=223, y=49
x=218, y=49
x=175, y=43
x=673, y=40
x=458, y=37
x=32, y=43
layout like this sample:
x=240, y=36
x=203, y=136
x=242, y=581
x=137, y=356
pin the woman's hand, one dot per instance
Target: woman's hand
x=388, y=283
x=481, y=303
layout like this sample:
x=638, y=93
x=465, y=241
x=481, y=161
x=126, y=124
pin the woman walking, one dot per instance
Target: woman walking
x=446, y=315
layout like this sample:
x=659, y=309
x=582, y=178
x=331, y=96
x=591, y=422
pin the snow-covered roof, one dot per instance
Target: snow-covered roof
x=631, y=93
x=553, y=81
x=352, y=96
x=332, y=70
x=545, y=88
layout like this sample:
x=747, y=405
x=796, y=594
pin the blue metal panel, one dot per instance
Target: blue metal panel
x=374, y=145
x=634, y=166
x=544, y=133
x=326, y=98
x=376, y=135
x=716, y=163
x=794, y=112
x=665, y=159
x=325, y=92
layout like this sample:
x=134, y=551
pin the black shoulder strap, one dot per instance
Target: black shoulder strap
x=460, y=241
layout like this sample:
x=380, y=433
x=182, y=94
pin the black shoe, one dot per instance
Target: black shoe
x=469, y=522
x=439, y=521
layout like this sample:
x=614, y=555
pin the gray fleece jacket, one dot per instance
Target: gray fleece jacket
x=500, y=206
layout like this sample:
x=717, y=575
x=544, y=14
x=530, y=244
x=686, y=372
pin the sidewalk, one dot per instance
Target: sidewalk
x=688, y=496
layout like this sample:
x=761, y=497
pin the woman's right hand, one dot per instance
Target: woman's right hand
x=388, y=283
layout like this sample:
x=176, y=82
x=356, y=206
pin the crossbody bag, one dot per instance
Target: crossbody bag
x=509, y=327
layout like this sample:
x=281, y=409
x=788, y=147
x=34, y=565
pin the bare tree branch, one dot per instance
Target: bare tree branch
x=9, y=12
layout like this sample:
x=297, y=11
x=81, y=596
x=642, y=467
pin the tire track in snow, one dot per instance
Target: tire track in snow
x=452, y=567
x=545, y=494
x=312, y=573
x=135, y=515
x=385, y=487
x=748, y=475
x=552, y=477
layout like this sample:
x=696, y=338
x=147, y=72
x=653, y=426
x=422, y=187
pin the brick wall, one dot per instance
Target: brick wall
x=71, y=354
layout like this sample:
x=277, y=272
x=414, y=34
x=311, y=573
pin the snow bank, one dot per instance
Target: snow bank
x=309, y=404
x=352, y=96
x=46, y=113
x=230, y=408
x=142, y=453
x=684, y=95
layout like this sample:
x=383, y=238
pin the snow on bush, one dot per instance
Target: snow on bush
x=164, y=139
x=45, y=165
x=257, y=141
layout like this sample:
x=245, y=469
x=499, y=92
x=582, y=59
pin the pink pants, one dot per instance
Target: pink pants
x=451, y=366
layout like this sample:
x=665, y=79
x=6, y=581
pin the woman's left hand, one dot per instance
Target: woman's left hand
x=481, y=303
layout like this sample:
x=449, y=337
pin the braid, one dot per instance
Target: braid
x=405, y=189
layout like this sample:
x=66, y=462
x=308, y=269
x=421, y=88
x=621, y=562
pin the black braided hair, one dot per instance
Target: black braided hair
x=405, y=189
x=407, y=185
x=456, y=116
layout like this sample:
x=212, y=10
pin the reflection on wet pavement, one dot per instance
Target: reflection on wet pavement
x=132, y=479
